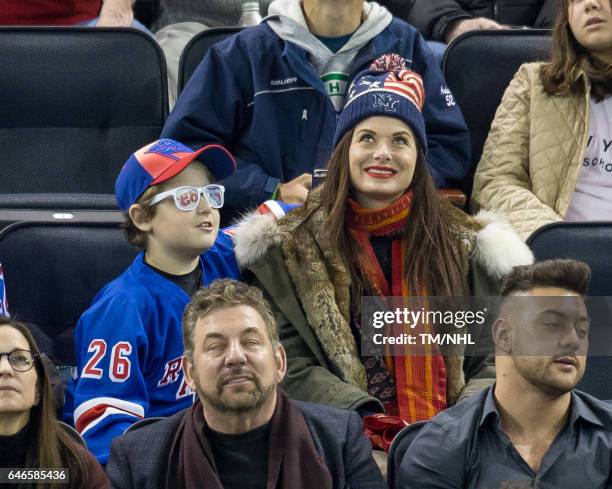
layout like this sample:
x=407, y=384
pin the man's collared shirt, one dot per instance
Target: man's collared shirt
x=464, y=447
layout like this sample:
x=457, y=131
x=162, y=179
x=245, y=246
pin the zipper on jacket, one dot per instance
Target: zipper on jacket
x=304, y=124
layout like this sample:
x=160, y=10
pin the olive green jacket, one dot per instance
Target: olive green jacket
x=309, y=289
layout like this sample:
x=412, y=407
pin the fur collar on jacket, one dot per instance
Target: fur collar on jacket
x=322, y=282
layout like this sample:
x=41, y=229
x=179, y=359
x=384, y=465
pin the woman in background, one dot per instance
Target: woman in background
x=30, y=435
x=548, y=156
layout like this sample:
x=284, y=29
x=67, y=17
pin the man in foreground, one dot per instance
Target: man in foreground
x=243, y=432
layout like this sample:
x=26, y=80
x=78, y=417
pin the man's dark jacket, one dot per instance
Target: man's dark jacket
x=262, y=98
x=433, y=17
x=139, y=459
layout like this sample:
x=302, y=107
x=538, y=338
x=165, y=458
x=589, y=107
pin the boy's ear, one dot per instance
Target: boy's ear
x=139, y=217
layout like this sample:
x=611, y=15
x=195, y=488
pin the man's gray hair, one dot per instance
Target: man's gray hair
x=223, y=294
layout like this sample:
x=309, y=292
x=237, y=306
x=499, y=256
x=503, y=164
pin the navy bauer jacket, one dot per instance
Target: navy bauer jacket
x=263, y=99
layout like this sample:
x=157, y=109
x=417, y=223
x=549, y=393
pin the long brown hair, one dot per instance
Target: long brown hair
x=560, y=76
x=51, y=446
x=432, y=258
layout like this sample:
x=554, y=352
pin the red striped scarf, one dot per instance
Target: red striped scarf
x=419, y=374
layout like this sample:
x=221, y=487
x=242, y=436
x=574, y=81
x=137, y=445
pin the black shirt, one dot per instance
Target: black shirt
x=13, y=448
x=189, y=282
x=241, y=460
x=464, y=447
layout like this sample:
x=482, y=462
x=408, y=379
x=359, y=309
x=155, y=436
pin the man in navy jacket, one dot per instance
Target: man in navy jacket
x=271, y=94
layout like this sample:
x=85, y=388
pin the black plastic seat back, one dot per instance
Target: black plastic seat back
x=53, y=271
x=76, y=102
x=399, y=447
x=197, y=48
x=590, y=242
x=143, y=422
x=478, y=67
x=74, y=434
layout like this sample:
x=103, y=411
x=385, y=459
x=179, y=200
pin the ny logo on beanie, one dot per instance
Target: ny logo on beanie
x=386, y=101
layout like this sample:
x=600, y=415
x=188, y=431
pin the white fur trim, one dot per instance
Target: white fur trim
x=498, y=246
x=253, y=235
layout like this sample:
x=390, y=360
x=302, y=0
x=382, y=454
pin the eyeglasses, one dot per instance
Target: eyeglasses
x=20, y=360
x=188, y=198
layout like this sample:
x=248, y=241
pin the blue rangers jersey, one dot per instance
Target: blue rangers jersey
x=129, y=349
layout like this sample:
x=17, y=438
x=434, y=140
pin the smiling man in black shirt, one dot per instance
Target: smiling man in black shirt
x=531, y=429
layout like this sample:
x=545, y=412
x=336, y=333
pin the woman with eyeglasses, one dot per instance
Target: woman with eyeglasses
x=547, y=157
x=30, y=436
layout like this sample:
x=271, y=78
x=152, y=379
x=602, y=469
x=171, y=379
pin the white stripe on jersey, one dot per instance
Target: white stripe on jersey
x=120, y=405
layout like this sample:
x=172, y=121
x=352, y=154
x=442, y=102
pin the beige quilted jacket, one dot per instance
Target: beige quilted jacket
x=531, y=159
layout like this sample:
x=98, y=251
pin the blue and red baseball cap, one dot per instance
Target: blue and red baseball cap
x=163, y=159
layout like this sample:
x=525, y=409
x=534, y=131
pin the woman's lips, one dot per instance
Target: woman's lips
x=593, y=22
x=382, y=172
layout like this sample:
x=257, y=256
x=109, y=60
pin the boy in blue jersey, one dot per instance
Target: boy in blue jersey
x=128, y=344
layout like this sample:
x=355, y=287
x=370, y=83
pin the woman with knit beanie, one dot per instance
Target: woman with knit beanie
x=376, y=227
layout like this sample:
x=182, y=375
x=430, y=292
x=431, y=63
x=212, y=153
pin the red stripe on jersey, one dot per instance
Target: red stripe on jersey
x=94, y=413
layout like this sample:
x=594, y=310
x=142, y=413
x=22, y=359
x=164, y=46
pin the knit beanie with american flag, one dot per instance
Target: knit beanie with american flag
x=389, y=89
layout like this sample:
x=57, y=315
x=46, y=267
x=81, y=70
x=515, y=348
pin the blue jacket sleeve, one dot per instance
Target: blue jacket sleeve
x=110, y=393
x=213, y=108
x=448, y=140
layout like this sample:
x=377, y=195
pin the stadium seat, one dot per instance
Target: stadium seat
x=143, y=422
x=52, y=271
x=76, y=102
x=399, y=447
x=590, y=242
x=74, y=434
x=478, y=67
x=196, y=49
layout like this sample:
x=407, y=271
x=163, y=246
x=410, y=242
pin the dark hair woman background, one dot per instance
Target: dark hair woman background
x=30, y=435
x=547, y=157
